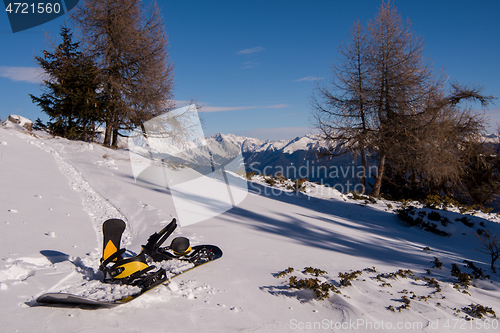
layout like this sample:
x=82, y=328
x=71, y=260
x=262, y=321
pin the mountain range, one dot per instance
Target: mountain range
x=296, y=158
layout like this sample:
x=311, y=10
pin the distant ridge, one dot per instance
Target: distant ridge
x=295, y=158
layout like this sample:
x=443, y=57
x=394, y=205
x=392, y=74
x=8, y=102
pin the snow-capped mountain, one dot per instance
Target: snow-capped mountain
x=296, y=158
x=252, y=145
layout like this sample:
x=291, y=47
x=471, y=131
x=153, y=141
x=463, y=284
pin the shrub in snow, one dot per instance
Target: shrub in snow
x=477, y=272
x=478, y=311
x=270, y=181
x=445, y=221
x=434, y=216
x=407, y=214
x=314, y=271
x=406, y=303
x=298, y=185
x=347, y=277
x=400, y=273
x=312, y=279
x=280, y=178
x=357, y=196
x=321, y=289
x=437, y=263
x=466, y=221
x=432, y=282
x=438, y=202
x=281, y=183
x=464, y=279
x=285, y=272
x=251, y=174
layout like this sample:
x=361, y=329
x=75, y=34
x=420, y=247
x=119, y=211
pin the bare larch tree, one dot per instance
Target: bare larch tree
x=386, y=101
x=129, y=43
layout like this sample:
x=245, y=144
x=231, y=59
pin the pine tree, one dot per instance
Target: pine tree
x=39, y=125
x=71, y=98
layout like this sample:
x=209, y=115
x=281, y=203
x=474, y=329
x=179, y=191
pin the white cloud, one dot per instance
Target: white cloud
x=25, y=74
x=309, y=78
x=251, y=50
x=250, y=64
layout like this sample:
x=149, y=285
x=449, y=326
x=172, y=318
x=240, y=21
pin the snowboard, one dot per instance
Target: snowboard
x=64, y=299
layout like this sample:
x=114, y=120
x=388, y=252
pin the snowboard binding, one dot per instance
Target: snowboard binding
x=179, y=247
x=133, y=271
x=136, y=270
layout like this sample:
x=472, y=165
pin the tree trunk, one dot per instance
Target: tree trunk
x=364, y=167
x=107, y=134
x=114, y=144
x=92, y=138
x=380, y=174
x=85, y=134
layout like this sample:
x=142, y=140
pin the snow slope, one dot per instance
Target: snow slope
x=55, y=195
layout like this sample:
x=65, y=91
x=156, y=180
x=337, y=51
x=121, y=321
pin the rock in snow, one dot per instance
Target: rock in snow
x=19, y=122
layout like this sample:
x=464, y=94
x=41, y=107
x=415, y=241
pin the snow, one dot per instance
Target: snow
x=17, y=122
x=57, y=193
x=253, y=146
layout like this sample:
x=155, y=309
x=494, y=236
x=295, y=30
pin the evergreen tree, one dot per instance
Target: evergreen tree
x=71, y=98
x=39, y=125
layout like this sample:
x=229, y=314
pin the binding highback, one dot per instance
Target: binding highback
x=112, y=231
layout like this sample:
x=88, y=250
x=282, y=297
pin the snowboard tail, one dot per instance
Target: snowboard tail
x=64, y=299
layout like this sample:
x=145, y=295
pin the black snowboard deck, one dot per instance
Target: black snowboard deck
x=70, y=300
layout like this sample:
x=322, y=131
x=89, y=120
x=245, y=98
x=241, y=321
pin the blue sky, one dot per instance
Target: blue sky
x=254, y=64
